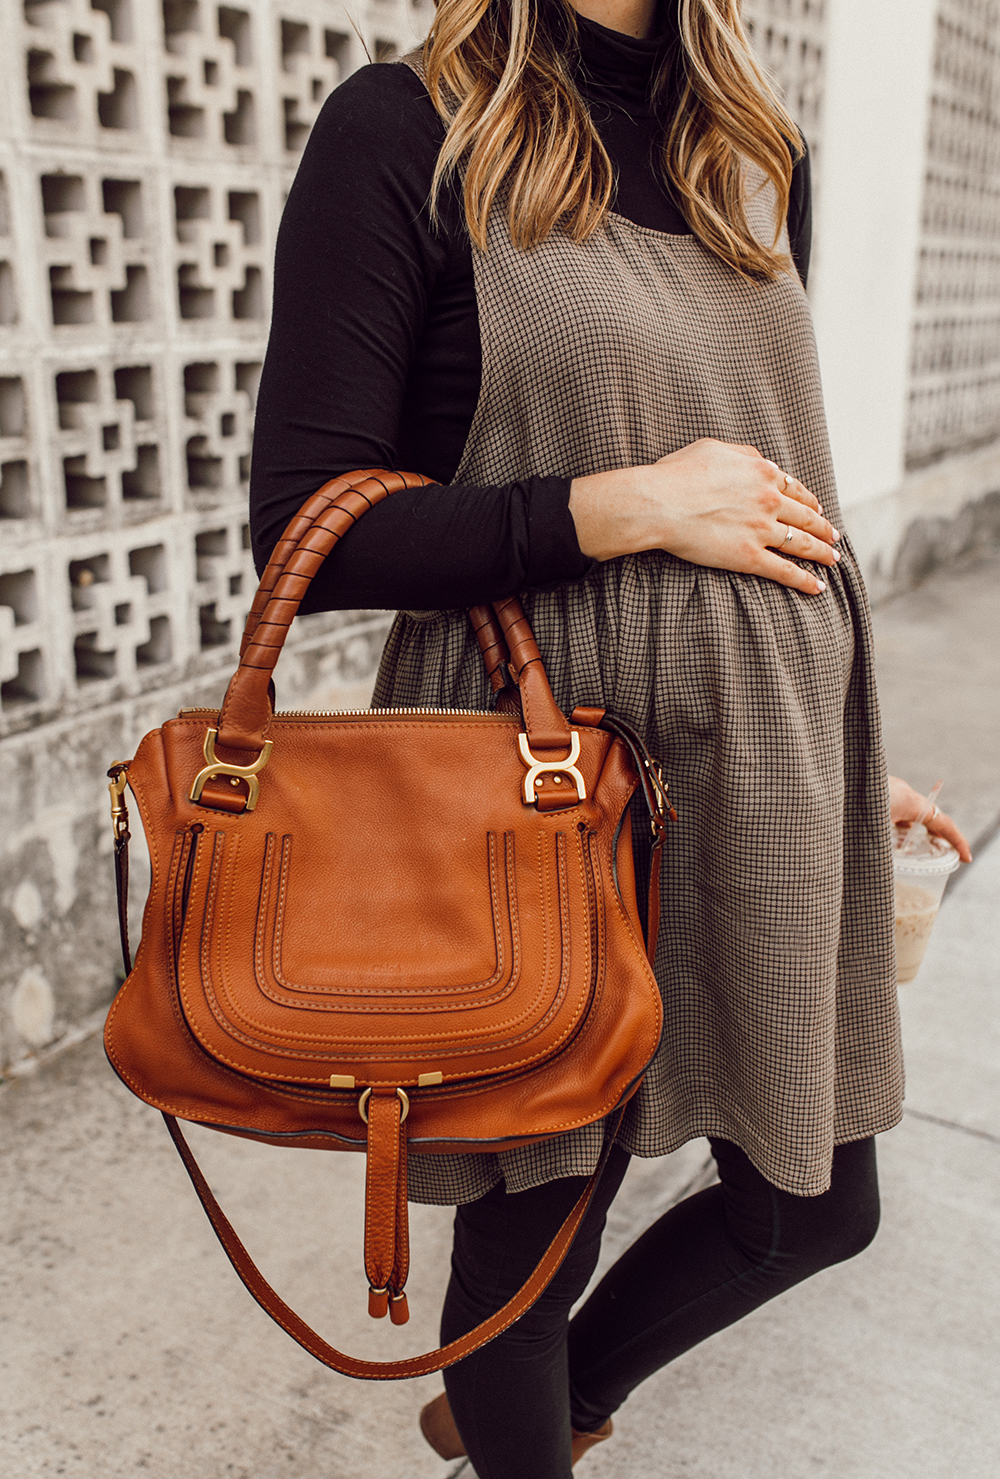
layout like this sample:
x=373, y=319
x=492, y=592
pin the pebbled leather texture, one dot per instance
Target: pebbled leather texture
x=391, y=911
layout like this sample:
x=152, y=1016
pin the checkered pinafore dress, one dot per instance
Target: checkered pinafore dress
x=775, y=956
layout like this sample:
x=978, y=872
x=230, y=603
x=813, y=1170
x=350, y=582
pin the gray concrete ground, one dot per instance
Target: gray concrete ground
x=127, y=1345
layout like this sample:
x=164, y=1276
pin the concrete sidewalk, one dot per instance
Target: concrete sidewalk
x=127, y=1344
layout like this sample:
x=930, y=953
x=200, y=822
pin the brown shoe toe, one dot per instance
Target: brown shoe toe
x=583, y=1441
x=438, y=1427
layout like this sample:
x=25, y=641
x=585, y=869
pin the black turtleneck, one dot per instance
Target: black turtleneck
x=374, y=356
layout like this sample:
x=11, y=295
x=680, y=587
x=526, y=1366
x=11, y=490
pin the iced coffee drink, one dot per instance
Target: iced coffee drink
x=922, y=866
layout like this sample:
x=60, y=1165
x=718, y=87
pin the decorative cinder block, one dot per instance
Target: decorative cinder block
x=312, y=61
x=95, y=249
x=81, y=68
x=97, y=437
x=219, y=253
x=225, y=581
x=110, y=616
x=789, y=37
x=8, y=293
x=17, y=501
x=218, y=399
x=211, y=80
x=21, y=664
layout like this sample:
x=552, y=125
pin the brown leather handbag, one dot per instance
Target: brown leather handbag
x=405, y=931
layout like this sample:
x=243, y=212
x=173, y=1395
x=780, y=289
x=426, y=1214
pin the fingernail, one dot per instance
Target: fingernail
x=836, y=533
x=820, y=586
x=836, y=554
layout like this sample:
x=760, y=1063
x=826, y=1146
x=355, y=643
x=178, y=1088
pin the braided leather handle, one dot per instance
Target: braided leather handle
x=315, y=506
x=492, y=645
x=546, y=724
x=504, y=632
x=310, y=537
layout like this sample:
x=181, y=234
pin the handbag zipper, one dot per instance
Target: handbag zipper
x=370, y=713
x=387, y=713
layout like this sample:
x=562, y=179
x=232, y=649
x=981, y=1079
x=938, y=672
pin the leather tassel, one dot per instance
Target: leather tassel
x=387, y=1254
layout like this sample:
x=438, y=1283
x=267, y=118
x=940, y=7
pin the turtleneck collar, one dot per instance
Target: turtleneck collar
x=619, y=69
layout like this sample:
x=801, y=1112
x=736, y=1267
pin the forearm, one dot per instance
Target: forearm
x=617, y=513
x=453, y=546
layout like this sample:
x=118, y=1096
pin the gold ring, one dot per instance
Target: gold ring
x=784, y=486
x=788, y=537
x=404, y=1100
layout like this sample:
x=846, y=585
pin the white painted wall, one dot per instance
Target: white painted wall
x=878, y=74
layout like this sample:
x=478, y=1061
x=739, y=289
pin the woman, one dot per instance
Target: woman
x=557, y=263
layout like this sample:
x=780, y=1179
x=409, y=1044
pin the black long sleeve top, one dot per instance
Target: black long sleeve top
x=374, y=356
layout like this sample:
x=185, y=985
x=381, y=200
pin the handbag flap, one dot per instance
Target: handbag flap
x=391, y=907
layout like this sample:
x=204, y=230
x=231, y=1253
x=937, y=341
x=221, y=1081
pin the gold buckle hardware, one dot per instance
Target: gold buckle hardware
x=658, y=784
x=404, y=1100
x=213, y=767
x=119, y=811
x=551, y=767
x=664, y=806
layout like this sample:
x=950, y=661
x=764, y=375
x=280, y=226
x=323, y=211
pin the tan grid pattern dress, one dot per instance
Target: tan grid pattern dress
x=776, y=948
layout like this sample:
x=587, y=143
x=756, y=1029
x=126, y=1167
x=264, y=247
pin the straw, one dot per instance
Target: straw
x=911, y=837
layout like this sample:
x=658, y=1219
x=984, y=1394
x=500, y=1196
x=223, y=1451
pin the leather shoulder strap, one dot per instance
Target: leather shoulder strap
x=293, y=1324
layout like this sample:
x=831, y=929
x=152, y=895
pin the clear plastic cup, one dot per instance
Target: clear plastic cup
x=920, y=876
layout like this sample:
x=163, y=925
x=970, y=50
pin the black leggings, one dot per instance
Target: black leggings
x=705, y=1264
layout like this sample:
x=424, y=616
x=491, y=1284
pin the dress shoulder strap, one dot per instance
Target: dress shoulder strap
x=415, y=61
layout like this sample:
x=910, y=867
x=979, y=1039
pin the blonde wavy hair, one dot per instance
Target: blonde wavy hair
x=500, y=74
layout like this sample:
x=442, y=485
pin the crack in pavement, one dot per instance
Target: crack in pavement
x=935, y=1119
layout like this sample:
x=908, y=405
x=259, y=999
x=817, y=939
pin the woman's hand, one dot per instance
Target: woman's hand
x=713, y=503
x=907, y=806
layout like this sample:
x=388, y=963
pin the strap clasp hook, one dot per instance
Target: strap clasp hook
x=215, y=767
x=565, y=767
